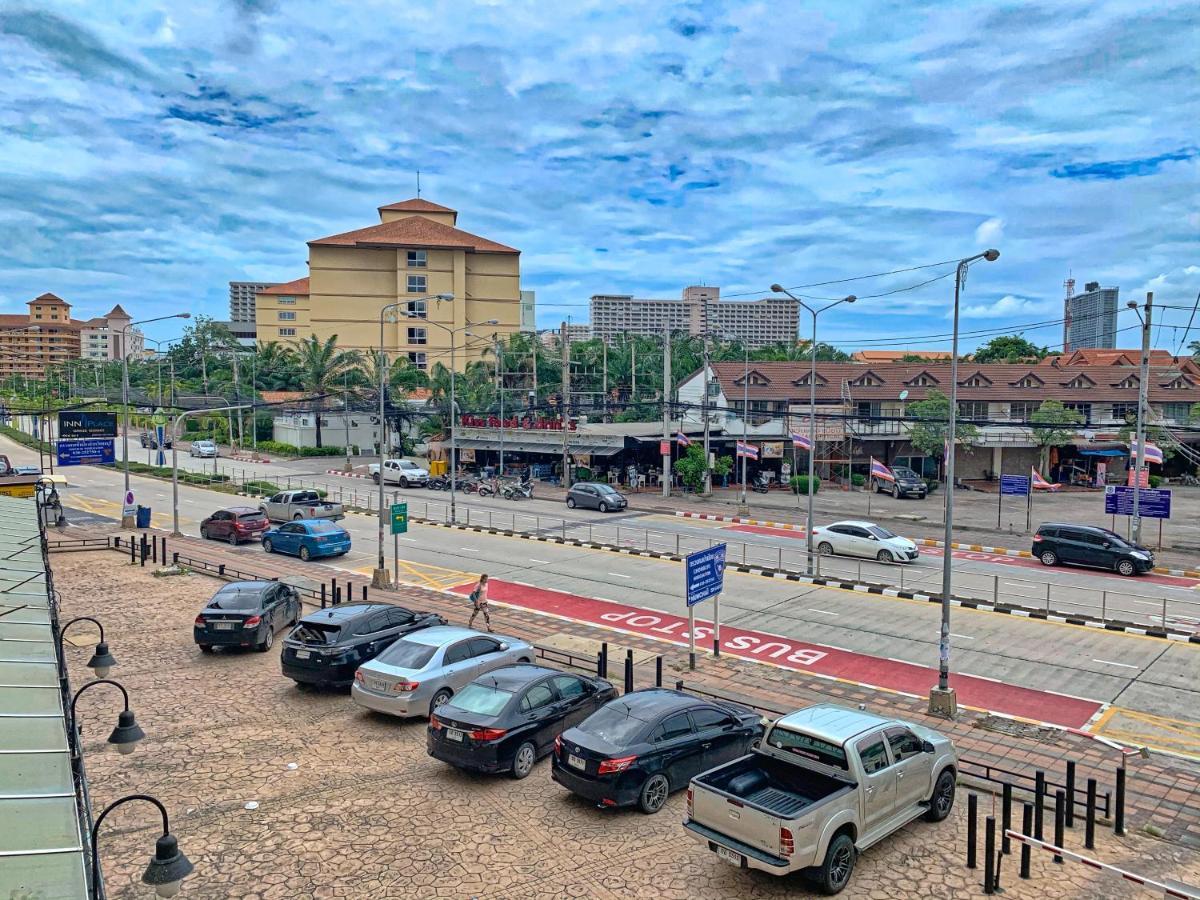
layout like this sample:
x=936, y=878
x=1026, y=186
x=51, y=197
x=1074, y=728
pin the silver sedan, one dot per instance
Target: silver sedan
x=424, y=669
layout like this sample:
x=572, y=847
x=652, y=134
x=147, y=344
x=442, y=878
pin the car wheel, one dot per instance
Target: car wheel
x=570, y=503
x=1049, y=558
x=440, y=699
x=653, y=794
x=834, y=873
x=206, y=648
x=895, y=492
x=523, y=760
x=233, y=538
x=204, y=533
x=375, y=478
x=603, y=507
x=404, y=482
x=297, y=517
x=266, y=643
x=885, y=556
x=825, y=548
x=942, y=800
x=304, y=554
x=1126, y=567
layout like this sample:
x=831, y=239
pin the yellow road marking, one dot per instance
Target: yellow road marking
x=1142, y=728
x=425, y=575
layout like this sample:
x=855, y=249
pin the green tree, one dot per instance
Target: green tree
x=275, y=367
x=1194, y=346
x=931, y=423
x=1057, y=428
x=1009, y=348
x=321, y=368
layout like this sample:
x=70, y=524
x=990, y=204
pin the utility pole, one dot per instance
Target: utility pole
x=633, y=371
x=500, y=390
x=566, y=403
x=666, y=413
x=1142, y=412
x=535, y=388
x=237, y=393
x=604, y=385
x=704, y=413
x=346, y=419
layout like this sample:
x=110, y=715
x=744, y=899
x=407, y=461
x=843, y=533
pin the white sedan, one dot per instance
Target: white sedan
x=864, y=539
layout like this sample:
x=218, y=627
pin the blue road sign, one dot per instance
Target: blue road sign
x=705, y=574
x=1154, y=503
x=86, y=451
x=1014, y=485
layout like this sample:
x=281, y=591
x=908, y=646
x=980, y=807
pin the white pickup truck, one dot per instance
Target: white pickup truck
x=287, y=506
x=400, y=471
x=825, y=784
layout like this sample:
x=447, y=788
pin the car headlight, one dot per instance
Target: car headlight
x=1139, y=554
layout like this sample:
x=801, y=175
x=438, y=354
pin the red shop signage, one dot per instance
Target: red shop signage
x=525, y=423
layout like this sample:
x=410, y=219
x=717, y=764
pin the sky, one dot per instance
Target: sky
x=151, y=152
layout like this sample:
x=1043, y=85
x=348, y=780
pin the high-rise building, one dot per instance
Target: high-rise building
x=700, y=310
x=528, y=312
x=45, y=336
x=1090, y=318
x=241, y=298
x=109, y=337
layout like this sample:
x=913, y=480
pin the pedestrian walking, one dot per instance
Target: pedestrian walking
x=479, y=603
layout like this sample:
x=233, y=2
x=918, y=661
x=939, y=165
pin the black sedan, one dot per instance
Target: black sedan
x=639, y=748
x=246, y=614
x=327, y=646
x=506, y=720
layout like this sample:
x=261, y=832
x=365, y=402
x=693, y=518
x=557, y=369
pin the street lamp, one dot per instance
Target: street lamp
x=812, y=404
x=102, y=661
x=379, y=578
x=128, y=733
x=175, y=456
x=125, y=520
x=168, y=867
x=1143, y=404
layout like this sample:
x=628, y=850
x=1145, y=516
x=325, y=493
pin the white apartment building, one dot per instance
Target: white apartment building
x=101, y=338
x=700, y=310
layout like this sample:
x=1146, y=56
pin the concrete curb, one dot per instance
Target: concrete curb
x=249, y=459
x=345, y=474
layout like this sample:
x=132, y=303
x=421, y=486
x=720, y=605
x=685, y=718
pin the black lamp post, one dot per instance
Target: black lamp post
x=126, y=735
x=168, y=867
x=102, y=661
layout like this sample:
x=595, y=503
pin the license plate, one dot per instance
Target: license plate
x=729, y=856
x=575, y=762
x=378, y=684
x=223, y=626
x=453, y=734
x=303, y=654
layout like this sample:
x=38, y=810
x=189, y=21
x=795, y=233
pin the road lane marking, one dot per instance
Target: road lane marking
x=469, y=549
x=962, y=637
x=619, y=575
x=540, y=562
x=1109, y=662
x=823, y=611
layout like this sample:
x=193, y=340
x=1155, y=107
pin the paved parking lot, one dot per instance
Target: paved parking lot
x=349, y=805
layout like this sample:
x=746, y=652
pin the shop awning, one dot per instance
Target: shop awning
x=574, y=446
x=1103, y=452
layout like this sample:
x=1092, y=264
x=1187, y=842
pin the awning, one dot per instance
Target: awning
x=1103, y=452
x=574, y=446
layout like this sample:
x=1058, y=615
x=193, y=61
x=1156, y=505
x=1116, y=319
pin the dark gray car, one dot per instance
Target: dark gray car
x=595, y=495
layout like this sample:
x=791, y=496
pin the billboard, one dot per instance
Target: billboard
x=86, y=451
x=82, y=423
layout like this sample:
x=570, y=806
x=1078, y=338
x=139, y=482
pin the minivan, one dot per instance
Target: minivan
x=1090, y=545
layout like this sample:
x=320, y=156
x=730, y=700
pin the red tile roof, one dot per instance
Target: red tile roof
x=1090, y=357
x=282, y=396
x=871, y=356
x=117, y=313
x=416, y=204
x=413, y=231
x=298, y=287
x=49, y=298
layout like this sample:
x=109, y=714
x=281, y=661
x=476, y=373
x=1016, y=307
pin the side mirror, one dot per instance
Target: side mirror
x=503, y=645
x=1107, y=545
x=926, y=747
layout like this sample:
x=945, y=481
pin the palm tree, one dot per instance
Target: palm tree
x=275, y=367
x=321, y=369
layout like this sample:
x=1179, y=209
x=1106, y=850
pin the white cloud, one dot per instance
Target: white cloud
x=1008, y=305
x=990, y=233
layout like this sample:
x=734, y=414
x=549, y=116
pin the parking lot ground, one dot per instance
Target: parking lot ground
x=278, y=793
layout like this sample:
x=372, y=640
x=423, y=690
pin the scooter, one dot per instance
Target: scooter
x=760, y=485
x=438, y=483
x=522, y=490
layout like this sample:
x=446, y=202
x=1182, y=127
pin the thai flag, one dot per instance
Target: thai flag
x=880, y=471
x=799, y=440
x=747, y=450
x=1040, y=483
x=1154, y=453
x=682, y=439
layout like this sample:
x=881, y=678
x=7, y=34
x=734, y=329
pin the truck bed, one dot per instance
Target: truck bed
x=773, y=785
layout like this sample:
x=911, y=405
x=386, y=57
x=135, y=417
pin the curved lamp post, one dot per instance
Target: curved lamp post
x=168, y=867
x=102, y=660
x=126, y=735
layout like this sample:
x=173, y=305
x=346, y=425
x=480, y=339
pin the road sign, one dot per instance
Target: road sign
x=1154, y=503
x=129, y=508
x=399, y=518
x=73, y=424
x=85, y=451
x=705, y=574
x=1014, y=485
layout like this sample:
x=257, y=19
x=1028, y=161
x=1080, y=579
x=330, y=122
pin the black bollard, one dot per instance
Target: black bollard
x=679, y=685
x=132, y=552
x=1005, y=818
x=599, y=664
x=333, y=589
x=1039, y=801
x=364, y=587
x=1070, y=820
x=154, y=549
x=604, y=659
x=972, y=837
x=1119, y=814
x=658, y=671
x=1026, y=828
x=1060, y=801
x=989, y=855
x=322, y=596
x=221, y=569
x=1089, y=833
x=628, y=671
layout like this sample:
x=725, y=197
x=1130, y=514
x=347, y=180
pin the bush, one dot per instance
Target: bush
x=261, y=488
x=931, y=485
x=282, y=449
x=1155, y=480
x=799, y=484
x=21, y=437
x=858, y=480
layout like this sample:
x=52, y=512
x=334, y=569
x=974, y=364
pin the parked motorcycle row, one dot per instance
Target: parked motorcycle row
x=484, y=487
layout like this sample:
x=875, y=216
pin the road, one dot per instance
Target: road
x=1145, y=685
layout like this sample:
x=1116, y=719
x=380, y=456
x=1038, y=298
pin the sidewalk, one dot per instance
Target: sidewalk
x=1161, y=791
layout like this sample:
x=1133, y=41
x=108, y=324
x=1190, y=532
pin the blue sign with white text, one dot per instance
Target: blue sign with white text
x=1152, y=504
x=705, y=574
x=86, y=452
x=1014, y=485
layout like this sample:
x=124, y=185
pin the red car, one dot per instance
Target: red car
x=235, y=524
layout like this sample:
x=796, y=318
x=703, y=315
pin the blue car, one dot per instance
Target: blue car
x=308, y=539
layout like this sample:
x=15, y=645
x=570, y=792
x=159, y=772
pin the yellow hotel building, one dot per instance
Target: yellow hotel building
x=415, y=251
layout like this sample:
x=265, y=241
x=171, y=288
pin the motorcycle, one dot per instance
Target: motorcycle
x=760, y=484
x=486, y=488
x=438, y=483
x=469, y=485
x=522, y=490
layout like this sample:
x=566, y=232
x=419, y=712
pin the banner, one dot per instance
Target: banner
x=772, y=450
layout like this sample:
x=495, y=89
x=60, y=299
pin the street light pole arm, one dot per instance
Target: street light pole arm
x=63, y=631
x=92, y=684
x=100, y=819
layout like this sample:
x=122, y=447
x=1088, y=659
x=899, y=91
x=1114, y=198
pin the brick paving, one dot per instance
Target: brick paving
x=367, y=814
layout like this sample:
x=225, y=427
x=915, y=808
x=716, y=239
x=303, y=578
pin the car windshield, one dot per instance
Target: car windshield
x=317, y=632
x=251, y=516
x=882, y=533
x=483, y=699
x=324, y=526
x=808, y=747
x=615, y=724
x=606, y=489
x=1115, y=538
x=237, y=597
x=903, y=472
x=408, y=655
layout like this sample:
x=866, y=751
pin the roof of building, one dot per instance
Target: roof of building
x=283, y=396
x=895, y=356
x=1097, y=357
x=299, y=287
x=49, y=298
x=117, y=313
x=416, y=204
x=413, y=231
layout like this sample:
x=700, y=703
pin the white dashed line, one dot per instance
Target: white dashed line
x=824, y=612
x=619, y=575
x=964, y=637
x=1109, y=662
x=468, y=549
x=540, y=562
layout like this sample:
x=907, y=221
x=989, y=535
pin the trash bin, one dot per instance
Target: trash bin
x=143, y=517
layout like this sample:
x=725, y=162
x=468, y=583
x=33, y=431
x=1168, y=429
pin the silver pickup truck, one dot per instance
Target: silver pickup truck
x=825, y=784
x=289, y=505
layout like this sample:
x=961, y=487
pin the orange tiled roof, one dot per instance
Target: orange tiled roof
x=413, y=231
x=416, y=204
x=299, y=286
x=896, y=355
x=49, y=298
x=1105, y=357
x=282, y=396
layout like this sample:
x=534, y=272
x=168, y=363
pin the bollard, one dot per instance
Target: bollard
x=117, y=542
x=989, y=855
x=1089, y=826
x=333, y=589
x=154, y=550
x=132, y=552
x=1119, y=814
x=322, y=596
x=604, y=659
x=1039, y=801
x=628, y=671
x=175, y=558
x=1070, y=793
x=1005, y=818
x=972, y=837
x=599, y=664
x=364, y=587
x=679, y=685
x=1060, y=800
x=658, y=672
x=1026, y=828
x=145, y=551
x=221, y=569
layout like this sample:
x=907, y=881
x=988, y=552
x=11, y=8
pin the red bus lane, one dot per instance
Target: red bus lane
x=799, y=656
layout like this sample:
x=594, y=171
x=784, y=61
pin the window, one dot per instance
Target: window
x=706, y=717
x=536, y=697
x=416, y=284
x=1176, y=412
x=287, y=301
x=1084, y=409
x=459, y=652
x=484, y=646
x=416, y=259
x=904, y=743
x=1021, y=410
x=873, y=754
x=806, y=746
x=417, y=359
x=416, y=335
x=287, y=315
x=868, y=410
x=977, y=380
x=1123, y=411
x=1029, y=381
x=973, y=409
x=418, y=308
x=675, y=726
x=287, y=332
x=569, y=687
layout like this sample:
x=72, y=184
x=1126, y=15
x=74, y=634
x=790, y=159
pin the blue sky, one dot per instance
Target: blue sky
x=152, y=152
